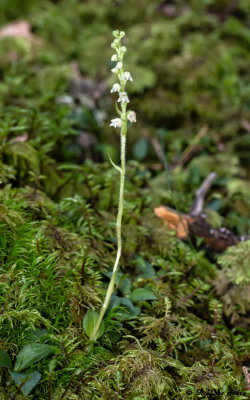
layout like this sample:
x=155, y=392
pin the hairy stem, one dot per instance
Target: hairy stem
x=118, y=225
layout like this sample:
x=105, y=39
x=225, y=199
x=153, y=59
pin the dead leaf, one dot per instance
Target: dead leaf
x=246, y=125
x=21, y=138
x=20, y=29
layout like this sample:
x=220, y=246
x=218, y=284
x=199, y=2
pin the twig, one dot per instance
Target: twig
x=83, y=272
x=50, y=385
x=20, y=387
x=60, y=187
x=158, y=149
x=80, y=383
x=186, y=153
x=247, y=377
x=213, y=337
x=67, y=387
x=169, y=351
x=200, y=195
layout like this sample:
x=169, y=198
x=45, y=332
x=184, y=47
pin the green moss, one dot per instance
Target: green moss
x=59, y=196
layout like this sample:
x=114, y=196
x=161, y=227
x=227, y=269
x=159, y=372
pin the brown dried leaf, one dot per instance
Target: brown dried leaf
x=17, y=29
x=21, y=138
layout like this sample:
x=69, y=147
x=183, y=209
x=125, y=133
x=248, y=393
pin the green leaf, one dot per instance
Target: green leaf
x=90, y=321
x=36, y=335
x=28, y=386
x=125, y=285
x=117, y=109
x=186, y=339
x=5, y=360
x=142, y=294
x=125, y=307
x=147, y=269
x=30, y=354
x=140, y=149
x=114, y=165
x=131, y=310
x=114, y=302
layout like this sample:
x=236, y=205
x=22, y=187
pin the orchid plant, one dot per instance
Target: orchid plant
x=121, y=123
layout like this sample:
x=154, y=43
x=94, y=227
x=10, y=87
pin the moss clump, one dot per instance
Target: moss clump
x=187, y=338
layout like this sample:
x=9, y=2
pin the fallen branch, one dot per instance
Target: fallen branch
x=247, y=377
x=194, y=224
x=201, y=194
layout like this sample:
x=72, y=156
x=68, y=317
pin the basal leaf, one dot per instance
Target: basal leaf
x=5, y=360
x=89, y=323
x=142, y=294
x=30, y=354
x=32, y=380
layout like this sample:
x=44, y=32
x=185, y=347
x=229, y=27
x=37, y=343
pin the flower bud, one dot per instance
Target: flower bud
x=132, y=116
x=122, y=34
x=114, y=70
x=115, y=43
x=116, y=34
x=119, y=65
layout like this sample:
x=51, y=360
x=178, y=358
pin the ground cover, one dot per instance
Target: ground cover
x=177, y=326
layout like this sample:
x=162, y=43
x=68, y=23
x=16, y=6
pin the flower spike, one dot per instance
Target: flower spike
x=122, y=123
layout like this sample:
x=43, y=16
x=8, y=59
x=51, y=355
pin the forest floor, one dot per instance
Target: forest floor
x=177, y=326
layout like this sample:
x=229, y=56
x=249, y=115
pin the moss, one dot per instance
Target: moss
x=59, y=197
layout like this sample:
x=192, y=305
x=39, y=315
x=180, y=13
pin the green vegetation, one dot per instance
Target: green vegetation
x=177, y=324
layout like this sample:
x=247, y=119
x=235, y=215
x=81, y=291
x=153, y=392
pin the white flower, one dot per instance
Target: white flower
x=132, y=116
x=115, y=43
x=114, y=57
x=119, y=65
x=117, y=123
x=114, y=70
x=123, y=97
x=127, y=76
x=122, y=34
x=121, y=51
x=116, y=33
x=116, y=88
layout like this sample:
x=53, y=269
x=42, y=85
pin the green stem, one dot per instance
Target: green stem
x=118, y=224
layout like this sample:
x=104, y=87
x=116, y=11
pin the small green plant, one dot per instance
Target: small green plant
x=22, y=375
x=120, y=122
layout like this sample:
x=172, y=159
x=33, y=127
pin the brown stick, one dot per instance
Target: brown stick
x=247, y=377
x=186, y=226
x=201, y=194
x=189, y=149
